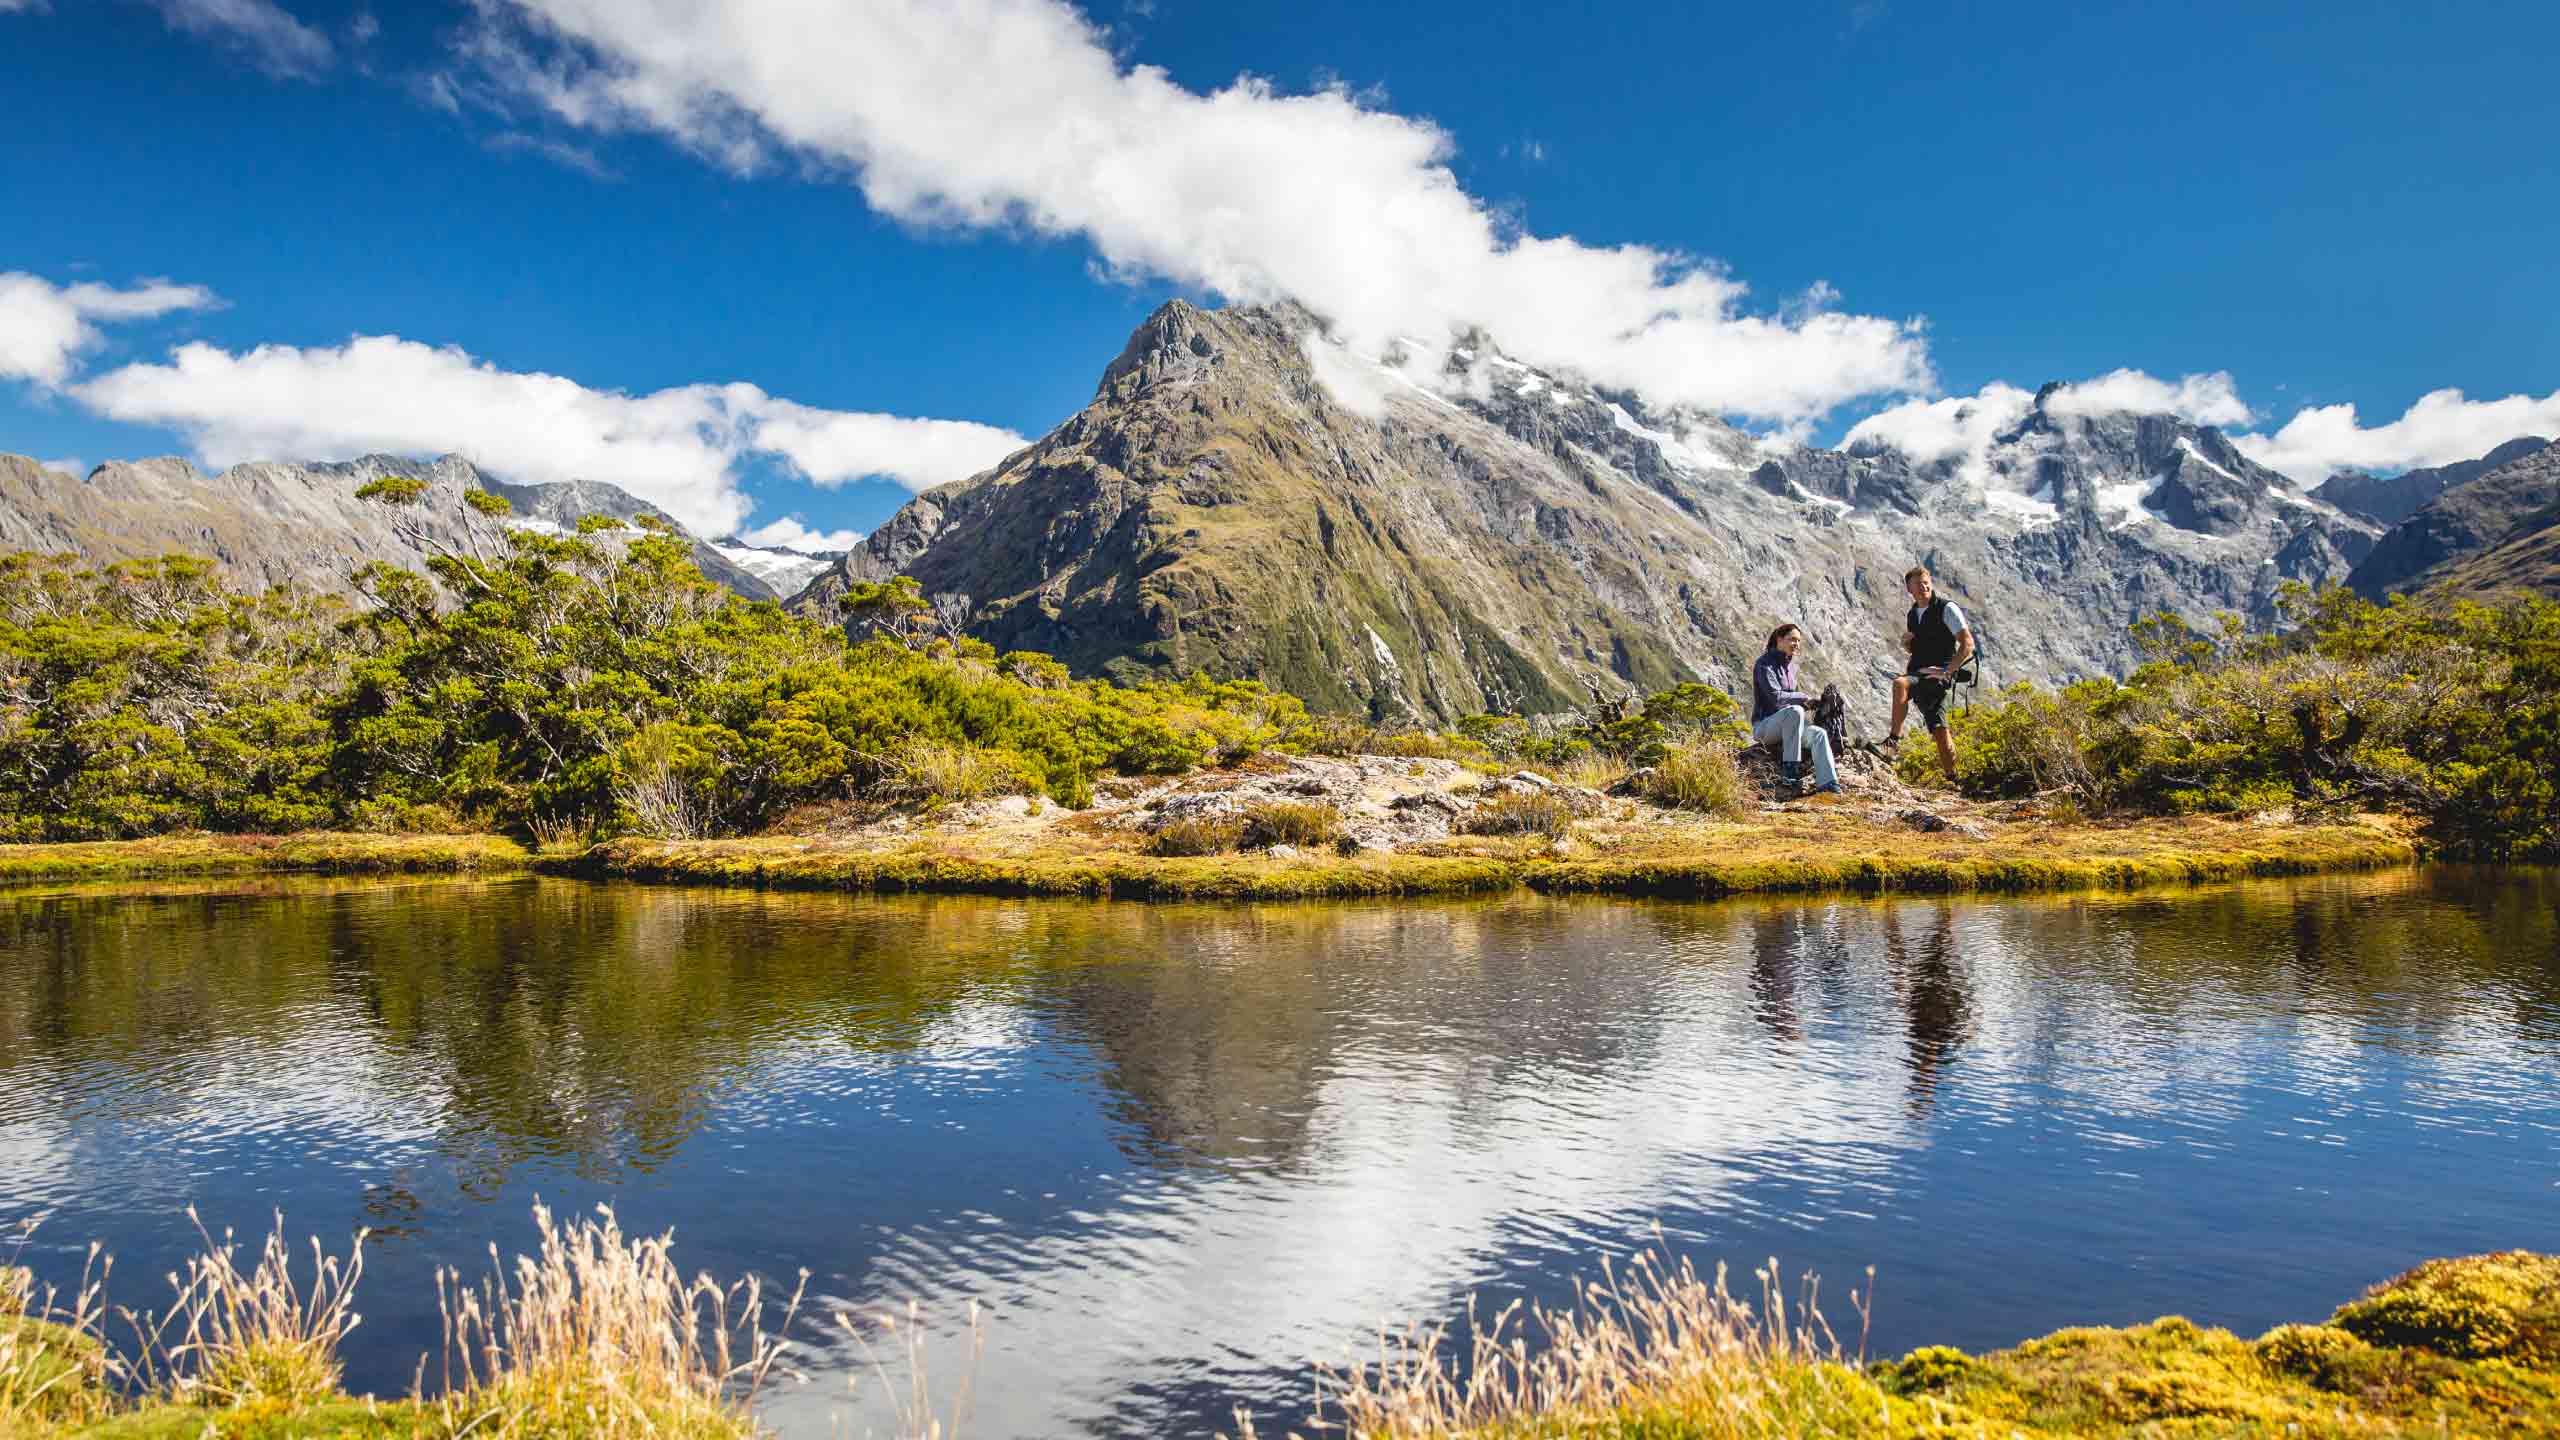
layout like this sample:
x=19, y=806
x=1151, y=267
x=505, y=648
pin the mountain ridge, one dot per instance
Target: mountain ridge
x=2487, y=533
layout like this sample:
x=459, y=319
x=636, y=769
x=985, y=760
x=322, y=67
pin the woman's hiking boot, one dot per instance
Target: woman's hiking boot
x=1791, y=771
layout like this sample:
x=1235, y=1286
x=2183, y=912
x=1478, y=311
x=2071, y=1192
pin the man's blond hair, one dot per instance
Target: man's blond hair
x=1916, y=572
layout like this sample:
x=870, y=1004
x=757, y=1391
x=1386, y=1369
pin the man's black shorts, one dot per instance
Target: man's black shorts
x=1931, y=696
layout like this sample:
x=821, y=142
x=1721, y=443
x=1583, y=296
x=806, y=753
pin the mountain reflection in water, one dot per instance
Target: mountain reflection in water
x=1180, y=1151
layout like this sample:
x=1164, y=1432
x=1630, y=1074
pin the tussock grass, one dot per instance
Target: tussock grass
x=598, y=1334
x=934, y=772
x=1205, y=835
x=1657, y=1349
x=1700, y=776
x=1288, y=822
x=1531, y=813
x=257, y=1334
x=595, y=1336
x=54, y=1366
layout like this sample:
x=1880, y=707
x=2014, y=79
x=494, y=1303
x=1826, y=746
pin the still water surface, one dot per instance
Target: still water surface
x=1177, y=1152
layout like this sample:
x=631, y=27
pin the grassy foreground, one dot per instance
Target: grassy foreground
x=2467, y=1347
x=598, y=1336
x=1795, y=852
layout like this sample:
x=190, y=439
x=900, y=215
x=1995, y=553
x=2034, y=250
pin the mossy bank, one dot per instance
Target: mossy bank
x=321, y=853
x=1793, y=853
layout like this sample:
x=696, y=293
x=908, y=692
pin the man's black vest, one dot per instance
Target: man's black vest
x=1934, y=640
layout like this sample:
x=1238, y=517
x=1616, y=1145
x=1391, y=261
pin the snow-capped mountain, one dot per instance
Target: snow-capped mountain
x=786, y=570
x=1442, y=531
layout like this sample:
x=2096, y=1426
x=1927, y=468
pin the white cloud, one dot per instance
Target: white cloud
x=44, y=328
x=1929, y=430
x=68, y=465
x=272, y=37
x=677, y=448
x=831, y=447
x=28, y=7
x=2441, y=428
x=788, y=533
x=1015, y=114
x=2204, y=399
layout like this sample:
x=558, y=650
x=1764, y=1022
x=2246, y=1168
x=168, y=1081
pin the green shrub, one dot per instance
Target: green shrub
x=1288, y=822
x=2449, y=712
x=572, y=683
x=1701, y=776
x=1533, y=812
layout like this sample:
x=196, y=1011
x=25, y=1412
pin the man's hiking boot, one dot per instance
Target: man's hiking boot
x=1890, y=745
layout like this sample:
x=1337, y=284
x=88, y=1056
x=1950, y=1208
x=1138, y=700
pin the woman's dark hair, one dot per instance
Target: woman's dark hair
x=1781, y=633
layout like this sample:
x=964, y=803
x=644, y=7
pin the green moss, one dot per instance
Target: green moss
x=2309, y=1352
x=2502, y=1306
x=339, y=1419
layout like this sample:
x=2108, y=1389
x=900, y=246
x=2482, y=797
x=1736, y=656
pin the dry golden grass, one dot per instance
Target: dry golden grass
x=1206, y=835
x=595, y=1336
x=1655, y=1349
x=1537, y=812
x=1699, y=776
x=916, y=1414
x=1287, y=822
x=600, y=1336
x=54, y=1364
x=257, y=1334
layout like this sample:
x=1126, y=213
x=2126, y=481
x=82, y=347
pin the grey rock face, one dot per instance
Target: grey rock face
x=1464, y=532
x=269, y=523
x=263, y=524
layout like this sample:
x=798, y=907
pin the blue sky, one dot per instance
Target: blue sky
x=653, y=198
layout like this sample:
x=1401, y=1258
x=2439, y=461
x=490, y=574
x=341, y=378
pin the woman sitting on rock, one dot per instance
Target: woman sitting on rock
x=1778, y=717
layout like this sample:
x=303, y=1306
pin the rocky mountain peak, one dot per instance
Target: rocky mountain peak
x=1446, y=528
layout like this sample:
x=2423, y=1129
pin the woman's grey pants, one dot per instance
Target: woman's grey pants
x=1792, y=733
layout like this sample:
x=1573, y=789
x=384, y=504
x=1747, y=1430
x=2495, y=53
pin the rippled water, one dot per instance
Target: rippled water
x=1180, y=1151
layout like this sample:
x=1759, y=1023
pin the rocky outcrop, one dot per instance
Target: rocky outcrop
x=267, y=523
x=1440, y=533
x=2511, y=504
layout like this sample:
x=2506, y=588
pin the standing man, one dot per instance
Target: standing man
x=1940, y=642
